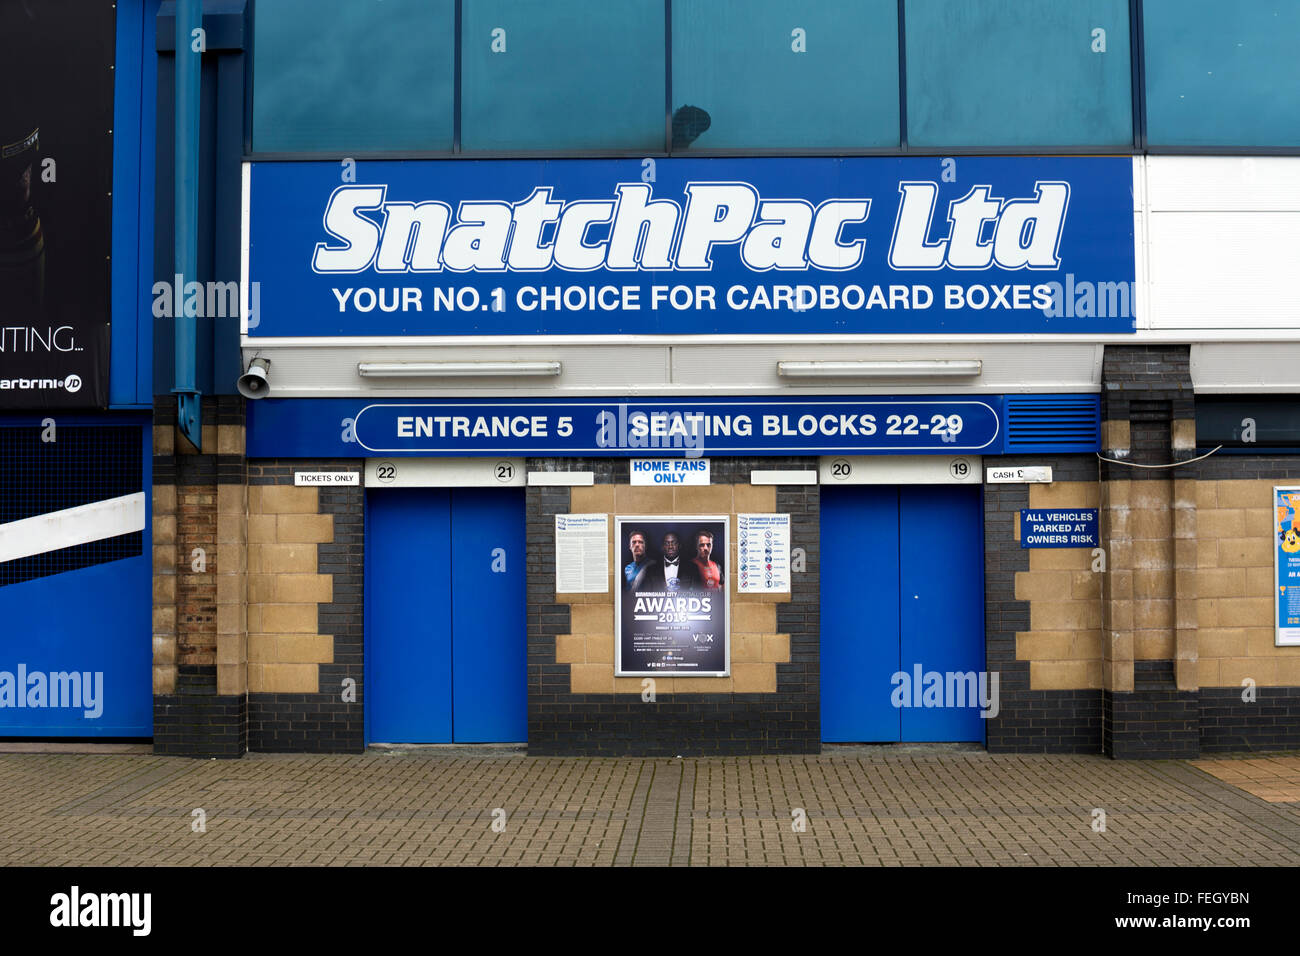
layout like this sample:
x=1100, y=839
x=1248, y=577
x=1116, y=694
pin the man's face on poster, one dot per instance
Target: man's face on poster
x=636, y=544
x=670, y=546
x=704, y=547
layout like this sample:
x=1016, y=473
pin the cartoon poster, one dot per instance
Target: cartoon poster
x=1286, y=504
x=671, y=600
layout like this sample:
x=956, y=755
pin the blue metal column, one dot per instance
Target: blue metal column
x=189, y=61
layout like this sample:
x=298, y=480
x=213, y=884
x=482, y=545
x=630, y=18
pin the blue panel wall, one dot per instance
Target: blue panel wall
x=94, y=620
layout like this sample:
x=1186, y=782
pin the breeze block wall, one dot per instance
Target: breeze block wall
x=306, y=572
x=770, y=704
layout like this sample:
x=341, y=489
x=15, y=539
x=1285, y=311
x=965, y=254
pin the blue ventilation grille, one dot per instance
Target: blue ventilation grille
x=1052, y=423
x=83, y=464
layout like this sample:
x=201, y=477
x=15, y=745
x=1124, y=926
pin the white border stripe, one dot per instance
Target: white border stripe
x=72, y=526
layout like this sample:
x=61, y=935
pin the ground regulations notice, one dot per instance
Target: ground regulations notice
x=582, y=554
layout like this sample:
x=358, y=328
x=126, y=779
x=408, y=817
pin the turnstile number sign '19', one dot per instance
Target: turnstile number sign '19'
x=959, y=468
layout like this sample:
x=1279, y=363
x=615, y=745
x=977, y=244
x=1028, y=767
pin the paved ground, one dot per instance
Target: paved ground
x=869, y=806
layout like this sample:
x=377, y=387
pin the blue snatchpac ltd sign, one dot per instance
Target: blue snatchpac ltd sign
x=1059, y=528
x=699, y=246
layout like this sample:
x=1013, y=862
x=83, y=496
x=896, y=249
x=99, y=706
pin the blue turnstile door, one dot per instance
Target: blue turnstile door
x=445, y=631
x=941, y=561
x=902, y=587
x=488, y=630
x=859, y=599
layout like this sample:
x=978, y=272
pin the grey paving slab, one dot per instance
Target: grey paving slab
x=859, y=806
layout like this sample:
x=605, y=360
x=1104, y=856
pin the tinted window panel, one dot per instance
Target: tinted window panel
x=1018, y=73
x=785, y=74
x=563, y=74
x=1222, y=74
x=353, y=75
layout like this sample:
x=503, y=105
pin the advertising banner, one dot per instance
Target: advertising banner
x=1286, y=551
x=671, y=601
x=690, y=246
x=687, y=428
x=56, y=182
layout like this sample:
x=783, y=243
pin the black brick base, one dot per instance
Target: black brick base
x=192, y=725
x=610, y=725
x=306, y=723
x=1151, y=725
x=1270, y=722
x=1047, y=722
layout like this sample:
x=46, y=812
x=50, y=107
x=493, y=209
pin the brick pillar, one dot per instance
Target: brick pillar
x=231, y=575
x=1117, y=582
x=1148, y=522
x=200, y=656
x=1186, y=651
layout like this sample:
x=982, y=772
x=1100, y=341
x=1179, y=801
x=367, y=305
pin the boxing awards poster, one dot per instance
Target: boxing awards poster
x=671, y=602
